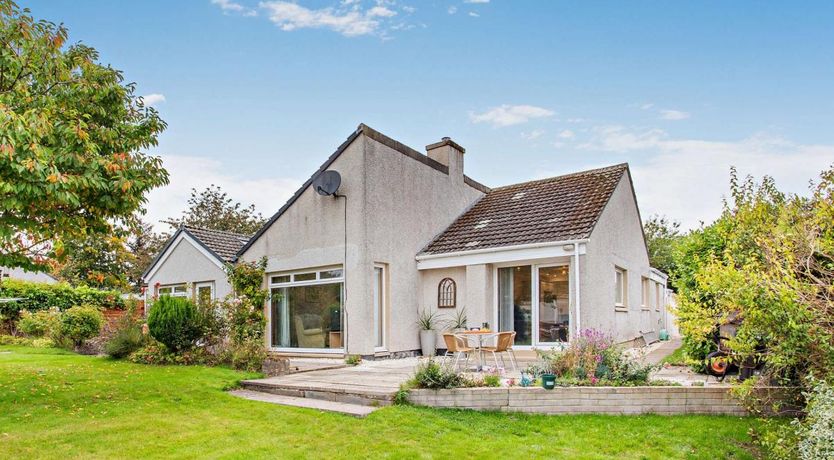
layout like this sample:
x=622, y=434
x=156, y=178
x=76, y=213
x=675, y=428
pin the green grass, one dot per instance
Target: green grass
x=677, y=358
x=57, y=404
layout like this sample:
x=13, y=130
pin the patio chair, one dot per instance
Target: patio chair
x=457, y=347
x=504, y=342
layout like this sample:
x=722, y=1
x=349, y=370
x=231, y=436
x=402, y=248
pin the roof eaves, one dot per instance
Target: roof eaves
x=159, y=255
x=625, y=169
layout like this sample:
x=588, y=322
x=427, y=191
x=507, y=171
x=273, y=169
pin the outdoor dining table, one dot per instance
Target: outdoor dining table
x=480, y=336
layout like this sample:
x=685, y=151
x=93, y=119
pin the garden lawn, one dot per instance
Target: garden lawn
x=55, y=404
x=677, y=358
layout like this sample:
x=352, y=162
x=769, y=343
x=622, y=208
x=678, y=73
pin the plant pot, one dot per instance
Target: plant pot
x=428, y=340
x=548, y=381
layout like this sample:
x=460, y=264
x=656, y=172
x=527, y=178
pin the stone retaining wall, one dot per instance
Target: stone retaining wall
x=669, y=400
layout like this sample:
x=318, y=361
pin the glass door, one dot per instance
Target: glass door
x=553, y=311
x=515, y=306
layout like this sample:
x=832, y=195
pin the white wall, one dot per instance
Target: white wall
x=187, y=264
x=617, y=240
x=395, y=206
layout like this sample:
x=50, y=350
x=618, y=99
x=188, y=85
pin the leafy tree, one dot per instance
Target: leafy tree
x=99, y=261
x=71, y=136
x=769, y=259
x=143, y=243
x=212, y=208
x=661, y=236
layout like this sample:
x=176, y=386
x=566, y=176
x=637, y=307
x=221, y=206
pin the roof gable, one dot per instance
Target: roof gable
x=216, y=244
x=560, y=208
x=372, y=134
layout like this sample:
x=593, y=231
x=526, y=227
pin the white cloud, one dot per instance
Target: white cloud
x=566, y=134
x=228, y=6
x=534, y=134
x=452, y=10
x=153, y=99
x=476, y=1
x=187, y=172
x=350, y=22
x=381, y=11
x=409, y=9
x=673, y=115
x=646, y=106
x=508, y=115
x=685, y=179
x=474, y=14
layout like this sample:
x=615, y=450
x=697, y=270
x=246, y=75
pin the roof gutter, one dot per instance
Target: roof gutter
x=500, y=249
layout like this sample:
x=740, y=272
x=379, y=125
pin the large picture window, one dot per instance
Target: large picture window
x=306, y=309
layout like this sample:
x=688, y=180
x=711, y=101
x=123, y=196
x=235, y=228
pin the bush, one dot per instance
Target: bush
x=43, y=296
x=79, y=324
x=592, y=358
x=430, y=374
x=40, y=323
x=249, y=355
x=816, y=432
x=157, y=353
x=175, y=322
x=14, y=340
x=126, y=339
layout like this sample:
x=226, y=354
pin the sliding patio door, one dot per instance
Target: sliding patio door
x=546, y=324
x=515, y=306
x=553, y=304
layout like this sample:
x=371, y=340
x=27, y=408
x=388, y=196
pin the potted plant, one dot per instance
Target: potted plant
x=457, y=322
x=427, y=321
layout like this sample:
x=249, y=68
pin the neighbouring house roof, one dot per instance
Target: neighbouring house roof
x=221, y=245
x=560, y=208
x=382, y=139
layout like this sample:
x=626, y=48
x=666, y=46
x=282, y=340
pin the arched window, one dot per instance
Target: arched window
x=446, y=293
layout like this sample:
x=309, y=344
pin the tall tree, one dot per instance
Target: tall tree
x=212, y=208
x=99, y=261
x=71, y=136
x=144, y=244
x=661, y=236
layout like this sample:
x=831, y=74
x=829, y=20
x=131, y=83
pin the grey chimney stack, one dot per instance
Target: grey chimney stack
x=450, y=154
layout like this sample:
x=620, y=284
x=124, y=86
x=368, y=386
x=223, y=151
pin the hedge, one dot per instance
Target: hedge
x=42, y=296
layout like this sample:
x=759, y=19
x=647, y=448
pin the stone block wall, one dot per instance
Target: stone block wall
x=586, y=400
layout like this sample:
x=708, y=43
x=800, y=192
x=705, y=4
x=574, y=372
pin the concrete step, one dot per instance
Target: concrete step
x=356, y=410
x=328, y=392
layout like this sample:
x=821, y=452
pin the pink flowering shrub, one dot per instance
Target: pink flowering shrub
x=593, y=358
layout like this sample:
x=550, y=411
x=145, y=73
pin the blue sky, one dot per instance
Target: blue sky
x=258, y=94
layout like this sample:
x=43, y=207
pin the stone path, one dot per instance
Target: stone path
x=662, y=350
x=355, y=410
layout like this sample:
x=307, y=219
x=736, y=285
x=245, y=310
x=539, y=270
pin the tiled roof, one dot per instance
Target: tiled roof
x=223, y=244
x=556, y=209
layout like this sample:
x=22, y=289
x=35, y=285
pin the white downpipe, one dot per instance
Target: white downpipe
x=576, y=279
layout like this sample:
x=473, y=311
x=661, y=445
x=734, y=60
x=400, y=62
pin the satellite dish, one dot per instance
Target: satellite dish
x=328, y=182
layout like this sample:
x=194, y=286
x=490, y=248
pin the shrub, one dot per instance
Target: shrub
x=174, y=322
x=14, y=340
x=430, y=374
x=157, y=353
x=79, y=324
x=40, y=323
x=126, y=339
x=593, y=358
x=43, y=296
x=249, y=355
x=816, y=432
x=44, y=342
x=352, y=360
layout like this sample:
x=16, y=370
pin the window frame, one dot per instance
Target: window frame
x=646, y=293
x=313, y=282
x=446, y=288
x=380, y=311
x=198, y=286
x=621, y=289
x=172, y=290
